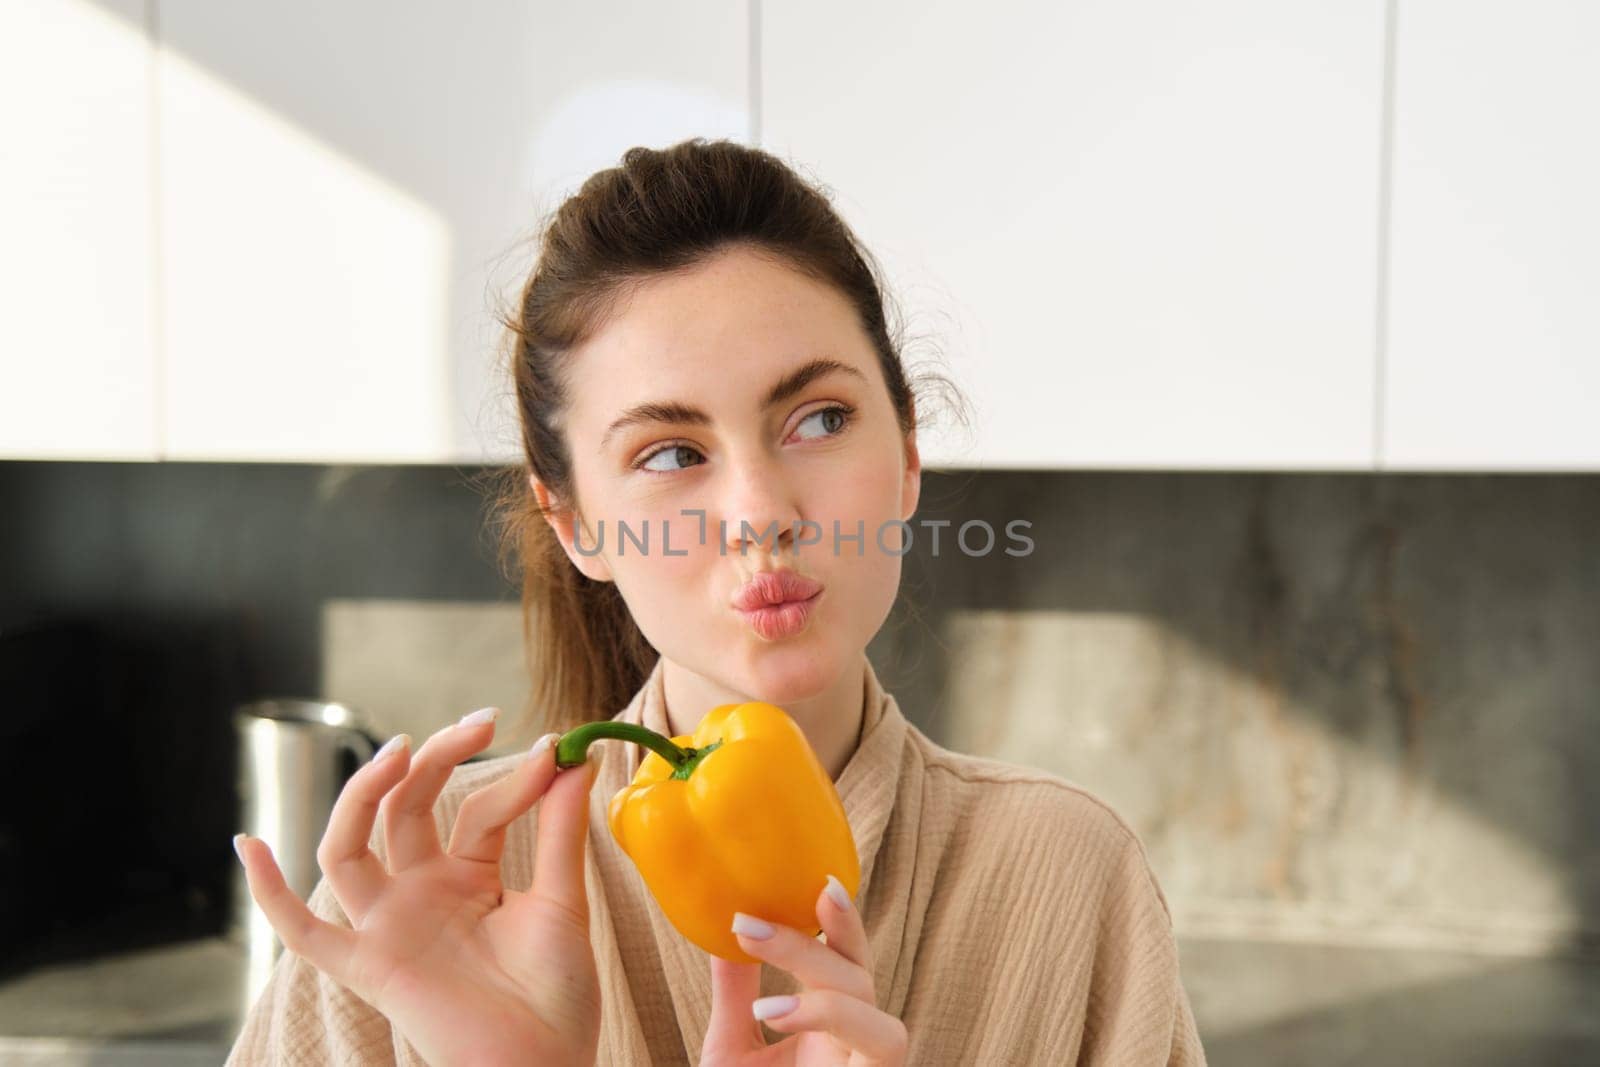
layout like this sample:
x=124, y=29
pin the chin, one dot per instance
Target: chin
x=783, y=673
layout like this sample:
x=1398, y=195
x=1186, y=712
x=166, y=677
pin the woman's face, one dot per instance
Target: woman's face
x=717, y=340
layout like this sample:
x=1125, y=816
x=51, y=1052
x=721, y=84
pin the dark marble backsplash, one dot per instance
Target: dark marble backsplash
x=1334, y=706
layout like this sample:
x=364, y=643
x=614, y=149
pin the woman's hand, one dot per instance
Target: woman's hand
x=470, y=972
x=835, y=1017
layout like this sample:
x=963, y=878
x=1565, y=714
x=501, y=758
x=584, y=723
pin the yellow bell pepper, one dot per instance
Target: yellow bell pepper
x=738, y=816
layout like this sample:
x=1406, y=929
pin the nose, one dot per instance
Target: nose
x=759, y=509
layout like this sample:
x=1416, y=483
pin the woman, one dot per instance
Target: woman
x=702, y=357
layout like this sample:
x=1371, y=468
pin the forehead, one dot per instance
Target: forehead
x=726, y=327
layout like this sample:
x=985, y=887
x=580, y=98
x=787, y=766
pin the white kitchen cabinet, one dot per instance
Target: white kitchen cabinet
x=78, y=375
x=348, y=189
x=1493, y=356
x=1142, y=233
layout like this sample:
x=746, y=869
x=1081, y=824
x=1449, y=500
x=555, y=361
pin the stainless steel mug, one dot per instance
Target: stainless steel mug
x=294, y=758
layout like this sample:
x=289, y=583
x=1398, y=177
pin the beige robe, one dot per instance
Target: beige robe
x=1013, y=918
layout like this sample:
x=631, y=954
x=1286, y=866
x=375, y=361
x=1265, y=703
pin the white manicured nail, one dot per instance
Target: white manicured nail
x=391, y=746
x=772, y=1007
x=540, y=746
x=838, y=894
x=479, y=717
x=750, y=926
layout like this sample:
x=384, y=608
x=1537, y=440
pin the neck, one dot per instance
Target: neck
x=831, y=719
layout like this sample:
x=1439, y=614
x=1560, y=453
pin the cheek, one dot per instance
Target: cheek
x=872, y=501
x=678, y=583
x=672, y=550
x=872, y=495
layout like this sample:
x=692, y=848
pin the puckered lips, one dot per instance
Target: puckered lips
x=773, y=588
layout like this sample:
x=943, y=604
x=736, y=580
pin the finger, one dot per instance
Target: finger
x=328, y=947
x=563, y=834
x=409, y=830
x=854, y=1023
x=733, y=1029
x=842, y=923
x=816, y=965
x=480, y=830
x=356, y=876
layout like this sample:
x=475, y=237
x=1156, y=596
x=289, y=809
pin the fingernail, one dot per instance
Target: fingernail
x=391, y=746
x=236, y=839
x=772, y=1007
x=750, y=926
x=838, y=894
x=541, y=746
x=479, y=717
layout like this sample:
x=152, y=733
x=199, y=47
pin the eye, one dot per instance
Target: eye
x=671, y=451
x=834, y=420
x=840, y=419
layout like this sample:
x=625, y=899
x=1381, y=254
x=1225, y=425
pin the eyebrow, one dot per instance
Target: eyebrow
x=678, y=412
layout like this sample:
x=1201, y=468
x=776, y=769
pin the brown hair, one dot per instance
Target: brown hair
x=659, y=211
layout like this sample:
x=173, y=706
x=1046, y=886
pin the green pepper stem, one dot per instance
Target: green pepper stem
x=573, y=747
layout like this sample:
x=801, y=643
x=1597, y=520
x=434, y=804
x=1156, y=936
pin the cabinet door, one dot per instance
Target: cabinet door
x=77, y=355
x=1494, y=327
x=349, y=188
x=1142, y=233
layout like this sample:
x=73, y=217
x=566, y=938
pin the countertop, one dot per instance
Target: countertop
x=169, y=1006
x=1255, y=1002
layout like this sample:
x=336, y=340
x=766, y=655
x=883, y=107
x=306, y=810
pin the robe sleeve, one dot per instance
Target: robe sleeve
x=1186, y=1048
x=1138, y=1011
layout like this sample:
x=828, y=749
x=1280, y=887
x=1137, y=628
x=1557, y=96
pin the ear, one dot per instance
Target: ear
x=565, y=522
x=911, y=487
